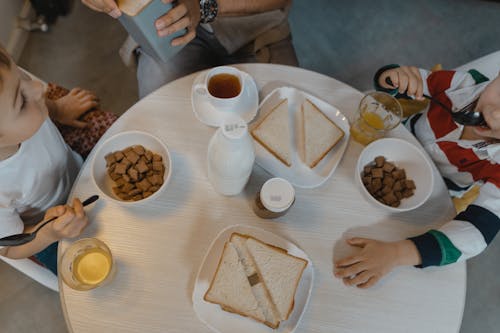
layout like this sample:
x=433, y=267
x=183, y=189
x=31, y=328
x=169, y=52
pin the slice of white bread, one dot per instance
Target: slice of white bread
x=320, y=134
x=258, y=288
x=273, y=132
x=230, y=287
x=132, y=7
x=280, y=271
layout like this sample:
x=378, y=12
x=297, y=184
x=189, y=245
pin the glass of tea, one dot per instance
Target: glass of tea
x=378, y=113
x=223, y=86
x=86, y=264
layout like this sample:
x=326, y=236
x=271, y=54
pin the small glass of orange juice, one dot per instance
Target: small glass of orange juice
x=86, y=264
x=379, y=112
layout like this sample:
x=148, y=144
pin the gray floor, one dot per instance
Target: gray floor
x=348, y=40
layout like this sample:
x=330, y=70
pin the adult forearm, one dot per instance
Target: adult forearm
x=238, y=7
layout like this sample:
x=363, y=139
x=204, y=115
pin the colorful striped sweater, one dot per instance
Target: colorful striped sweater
x=462, y=163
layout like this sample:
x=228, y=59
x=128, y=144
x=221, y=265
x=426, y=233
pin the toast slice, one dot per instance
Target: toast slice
x=273, y=132
x=259, y=289
x=231, y=289
x=320, y=134
x=280, y=272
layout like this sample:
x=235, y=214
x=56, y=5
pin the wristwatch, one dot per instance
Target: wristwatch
x=208, y=10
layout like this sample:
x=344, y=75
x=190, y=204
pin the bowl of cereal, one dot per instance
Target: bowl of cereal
x=395, y=174
x=131, y=166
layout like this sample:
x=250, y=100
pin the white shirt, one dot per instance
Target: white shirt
x=38, y=176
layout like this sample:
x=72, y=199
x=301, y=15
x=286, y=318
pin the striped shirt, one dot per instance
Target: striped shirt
x=462, y=163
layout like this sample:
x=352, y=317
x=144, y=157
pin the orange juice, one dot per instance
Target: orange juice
x=369, y=127
x=92, y=266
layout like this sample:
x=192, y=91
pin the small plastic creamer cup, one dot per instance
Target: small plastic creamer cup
x=277, y=196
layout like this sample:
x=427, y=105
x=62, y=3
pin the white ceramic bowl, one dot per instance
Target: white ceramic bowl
x=121, y=141
x=406, y=156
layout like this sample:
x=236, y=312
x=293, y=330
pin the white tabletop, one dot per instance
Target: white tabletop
x=159, y=246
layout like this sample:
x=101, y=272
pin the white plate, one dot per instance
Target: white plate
x=222, y=321
x=299, y=174
x=207, y=114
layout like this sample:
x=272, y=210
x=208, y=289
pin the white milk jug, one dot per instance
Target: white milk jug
x=230, y=156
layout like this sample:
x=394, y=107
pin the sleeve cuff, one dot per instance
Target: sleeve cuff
x=429, y=249
x=377, y=86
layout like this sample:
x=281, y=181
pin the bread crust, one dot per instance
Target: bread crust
x=315, y=162
x=262, y=143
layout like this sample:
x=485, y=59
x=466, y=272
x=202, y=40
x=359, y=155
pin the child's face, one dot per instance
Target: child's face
x=22, y=106
x=489, y=104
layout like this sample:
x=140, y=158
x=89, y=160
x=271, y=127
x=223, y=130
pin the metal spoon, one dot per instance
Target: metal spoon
x=465, y=116
x=20, y=239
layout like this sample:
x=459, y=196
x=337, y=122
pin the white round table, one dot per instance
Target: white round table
x=159, y=246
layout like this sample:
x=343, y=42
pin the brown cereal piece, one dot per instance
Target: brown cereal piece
x=134, y=191
x=367, y=180
x=157, y=158
x=142, y=167
x=399, y=174
x=410, y=184
x=367, y=169
x=155, y=179
x=110, y=159
x=154, y=188
x=127, y=187
x=126, y=178
x=407, y=193
x=114, y=176
x=376, y=184
x=137, y=197
x=121, y=168
x=120, y=182
x=377, y=172
x=117, y=190
x=388, y=181
x=133, y=174
x=118, y=155
x=126, y=150
x=147, y=194
x=132, y=156
x=139, y=150
x=398, y=186
x=379, y=161
x=144, y=185
x=157, y=166
x=149, y=155
x=390, y=198
x=386, y=189
x=388, y=167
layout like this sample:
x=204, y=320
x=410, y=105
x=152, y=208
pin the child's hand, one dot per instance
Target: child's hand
x=375, y=260
x=70, y=222
x=492, y=117
x=69, y=108
x=405, y=79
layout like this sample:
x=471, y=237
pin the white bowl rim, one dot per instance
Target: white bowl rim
x=423, y=157
x=166, y=178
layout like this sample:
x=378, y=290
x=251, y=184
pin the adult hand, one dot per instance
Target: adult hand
x=405, y=79
x=185, y=15
x=106, y=6
x=68, y=109
x=375, y=260
x=70, y=222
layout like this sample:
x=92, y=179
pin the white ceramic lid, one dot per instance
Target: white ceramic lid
x=277, y=194
x=234, y=127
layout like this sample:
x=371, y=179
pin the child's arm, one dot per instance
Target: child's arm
x=375, y=260
x=68, y=109
x=70, y=223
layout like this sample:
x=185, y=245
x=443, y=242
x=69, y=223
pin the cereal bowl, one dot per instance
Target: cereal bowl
x=120, y=142
x=403, y=155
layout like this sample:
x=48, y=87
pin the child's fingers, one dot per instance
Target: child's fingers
x=63, y=220
x=358, y=241
x=403, y=82
x=55, y=211
x=360, y=278
x=420, y=84
x=350, y=270
x=78, y=208
x=371, y=282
